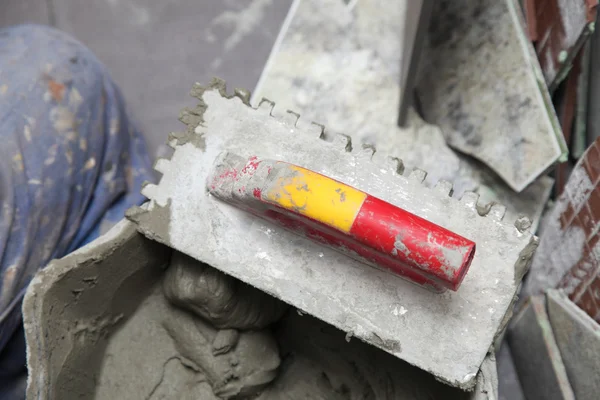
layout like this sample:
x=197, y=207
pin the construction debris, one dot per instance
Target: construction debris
x=559, y=28
x=339, y=64
x=482, y=84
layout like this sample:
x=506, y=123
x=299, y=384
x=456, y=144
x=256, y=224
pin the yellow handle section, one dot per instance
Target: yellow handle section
x=315, y=196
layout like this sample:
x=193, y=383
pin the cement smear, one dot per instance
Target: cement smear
x=74, y=305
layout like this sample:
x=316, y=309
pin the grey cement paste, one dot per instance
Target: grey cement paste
x=99, y=326
x=74, y=305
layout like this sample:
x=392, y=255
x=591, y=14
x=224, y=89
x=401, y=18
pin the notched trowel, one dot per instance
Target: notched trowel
x=239, y=175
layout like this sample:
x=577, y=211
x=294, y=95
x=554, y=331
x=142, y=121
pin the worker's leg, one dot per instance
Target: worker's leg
x=71, y=162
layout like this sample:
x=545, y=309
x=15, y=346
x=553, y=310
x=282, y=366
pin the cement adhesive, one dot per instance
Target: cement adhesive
x=150, y=349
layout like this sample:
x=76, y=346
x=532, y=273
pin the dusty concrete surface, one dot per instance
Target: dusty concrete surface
x=340, y=63
x=24, y=11
x=536, y=354
x=153, y=64
x=578, y=338
x=481, y=82
x=229, y=38
x=381, y=309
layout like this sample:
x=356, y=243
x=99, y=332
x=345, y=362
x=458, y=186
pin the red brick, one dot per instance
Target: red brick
x=588, y=304
x=566, y=218
x=595, y=290
x=579, y=187
x=592, y=161
x=594, y=203
x=563, y=171
x=576, y=282
x=594, y=286
x=588, y=264
x=593, y=248
x=585, y=221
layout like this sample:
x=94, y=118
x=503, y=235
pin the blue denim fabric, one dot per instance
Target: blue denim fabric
x=71, y=163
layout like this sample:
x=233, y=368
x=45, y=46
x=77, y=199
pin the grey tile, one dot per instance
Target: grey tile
x=578, y=338
x=157, y=49
x=480, y=82
x=536, y=355
x=509, y=387
x=16, y=12
x=593, y=114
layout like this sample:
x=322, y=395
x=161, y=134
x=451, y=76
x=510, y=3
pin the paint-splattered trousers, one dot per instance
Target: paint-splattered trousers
x=71, y=163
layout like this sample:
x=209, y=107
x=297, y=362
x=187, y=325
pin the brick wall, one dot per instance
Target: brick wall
x=569, y=253
x=553, y=31
x=582, y=281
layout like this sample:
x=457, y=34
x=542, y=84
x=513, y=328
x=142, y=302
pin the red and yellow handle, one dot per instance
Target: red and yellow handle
x=345, y=218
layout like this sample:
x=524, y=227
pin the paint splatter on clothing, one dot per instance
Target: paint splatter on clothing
x=71, y=163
